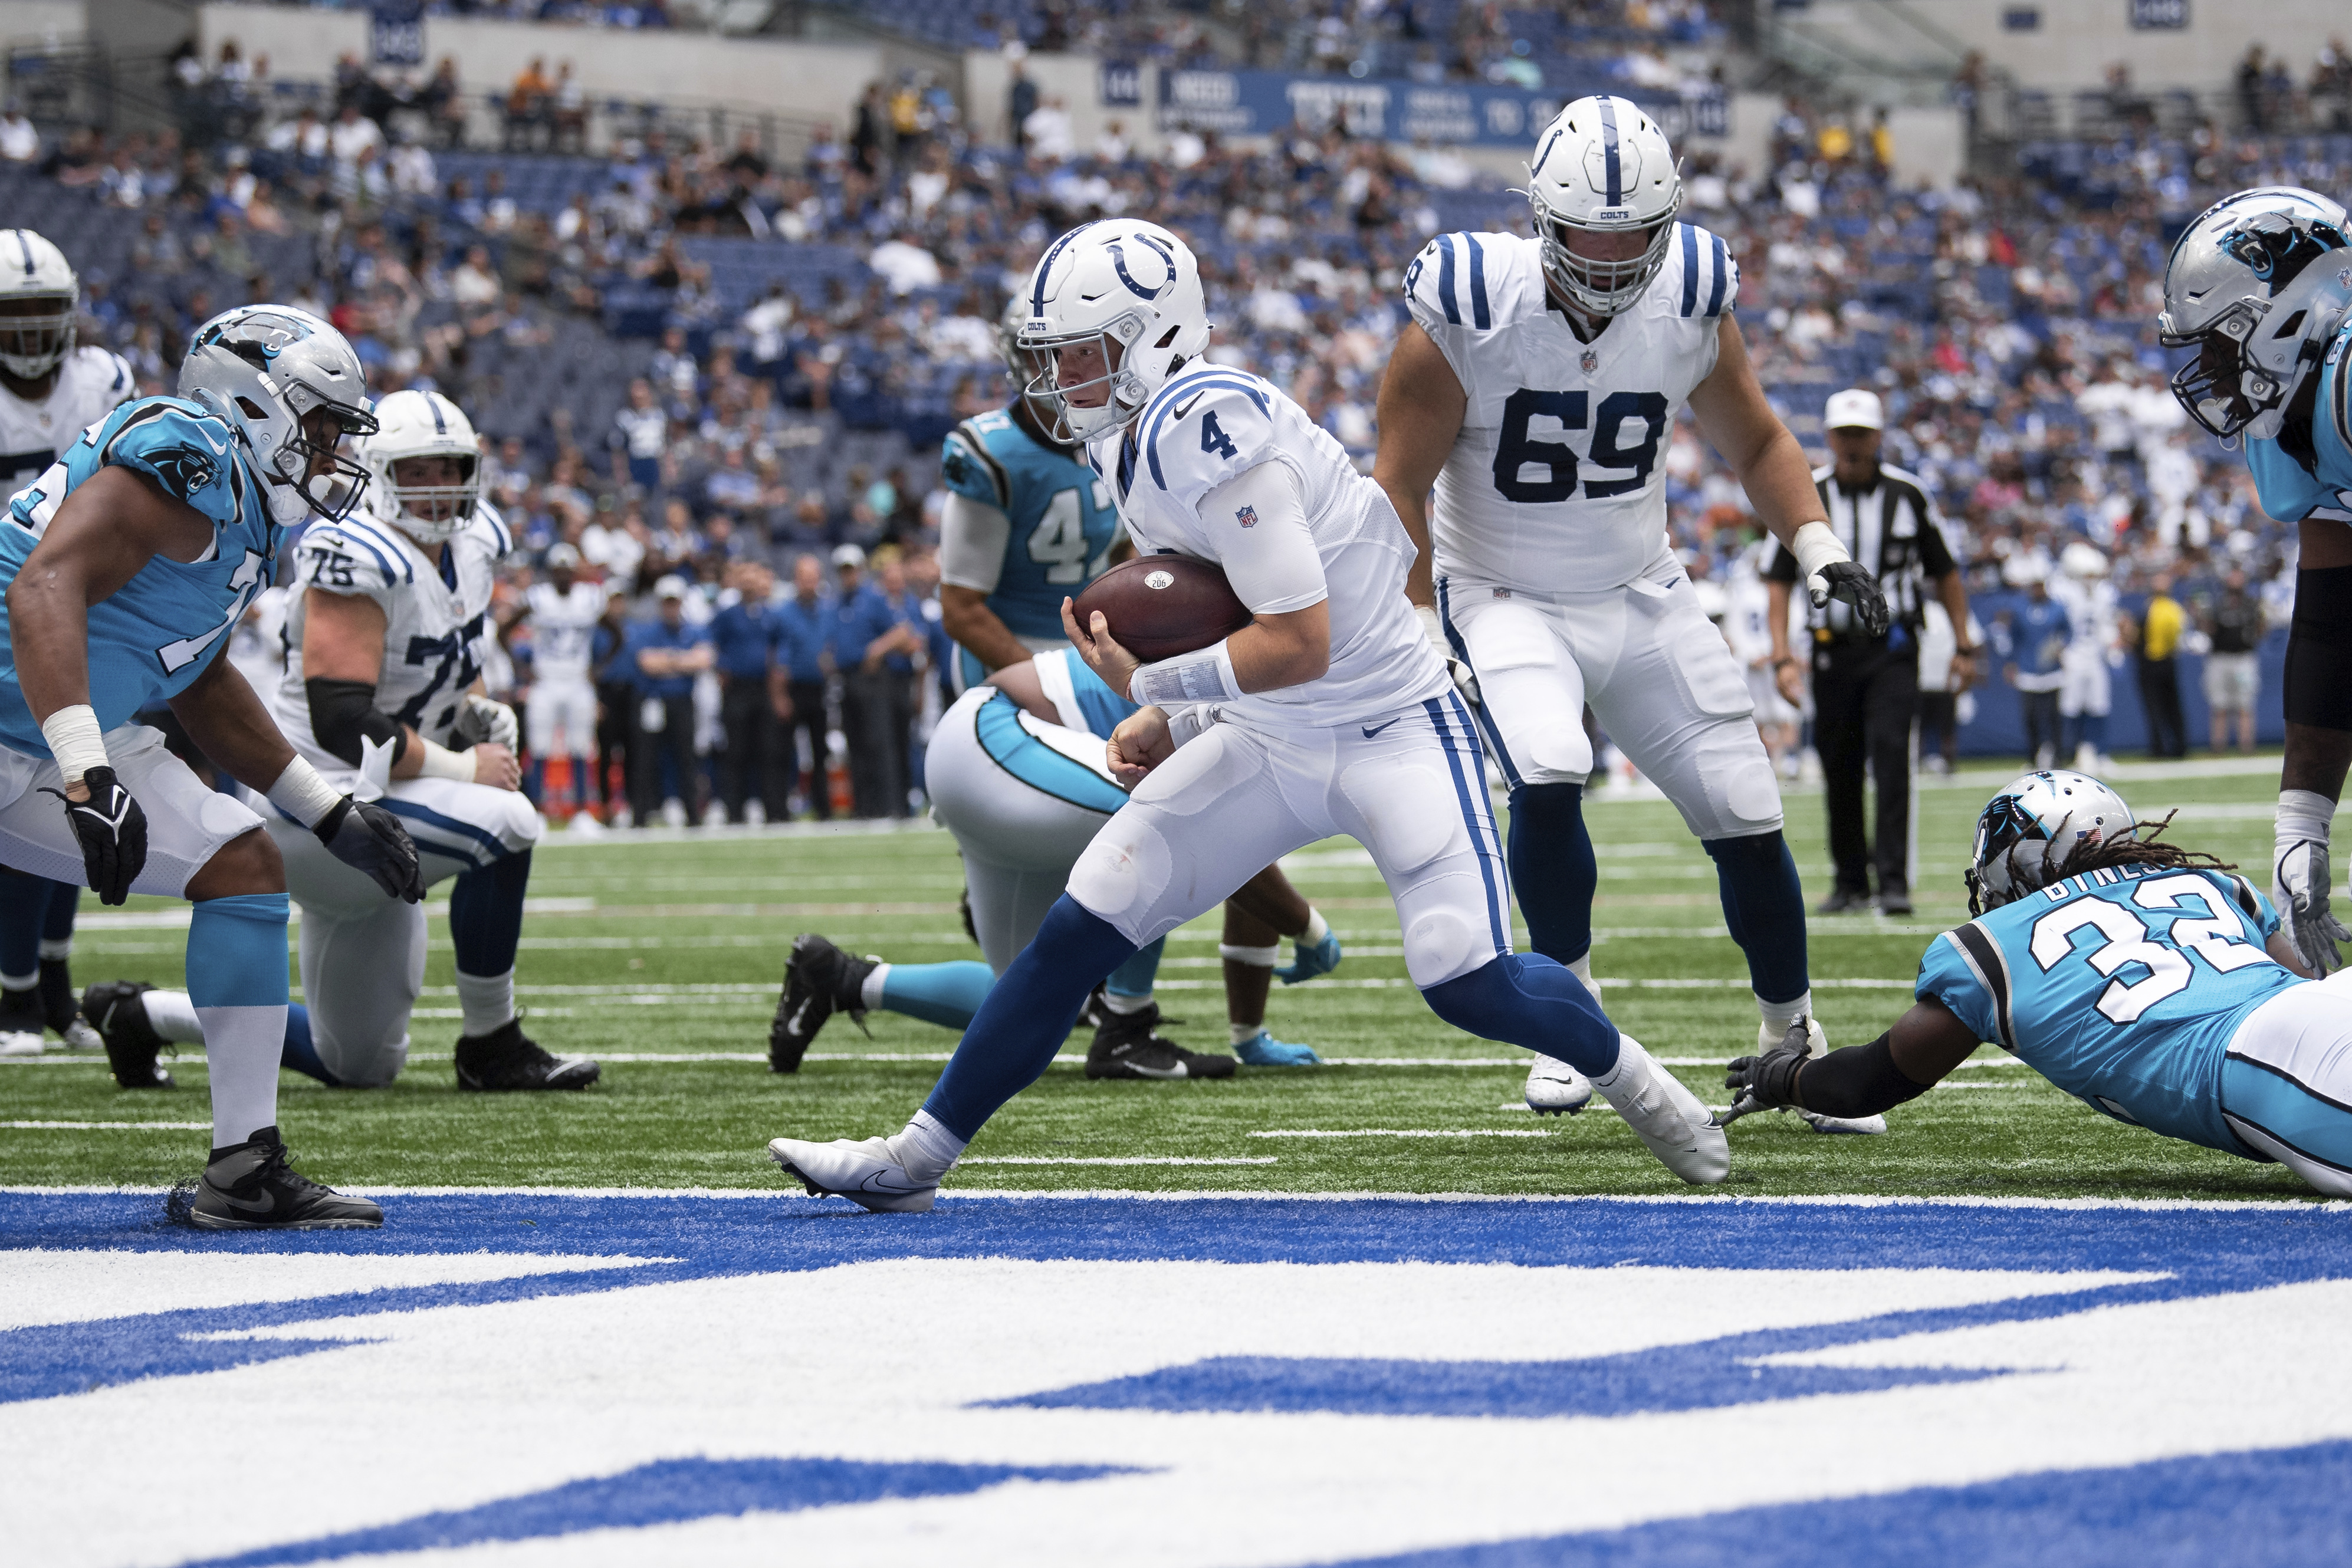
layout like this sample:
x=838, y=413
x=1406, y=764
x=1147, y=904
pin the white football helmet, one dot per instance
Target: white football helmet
x=421, y=424
x=263, y=369
x=2258, y=285
x=1130, y=291
x=2025, y=834
x=39, y=297
x=1603, y=167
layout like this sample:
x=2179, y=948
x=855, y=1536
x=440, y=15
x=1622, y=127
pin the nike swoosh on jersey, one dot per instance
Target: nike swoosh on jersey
x=1372, y=730
x=1182, y=409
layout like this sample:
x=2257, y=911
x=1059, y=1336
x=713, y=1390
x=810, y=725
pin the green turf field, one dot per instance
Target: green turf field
x=658, y=954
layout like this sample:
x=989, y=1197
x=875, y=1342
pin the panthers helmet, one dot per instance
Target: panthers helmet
x=1603, y=167
x=1128, y=288
x=39, y=298
x=2025, y=833
x=421, y=424
x=263, y=369
x=2257, y=286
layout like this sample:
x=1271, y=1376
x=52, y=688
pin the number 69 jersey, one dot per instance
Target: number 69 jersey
x=436, y=621
x=2123, y=988
x=1555, y=483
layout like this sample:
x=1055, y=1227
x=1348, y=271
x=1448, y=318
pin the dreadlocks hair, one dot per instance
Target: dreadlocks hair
x=2140, y=848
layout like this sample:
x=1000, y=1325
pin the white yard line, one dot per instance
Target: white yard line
x=109, y=1126
x=1140, y=1160
x=1405, y=1133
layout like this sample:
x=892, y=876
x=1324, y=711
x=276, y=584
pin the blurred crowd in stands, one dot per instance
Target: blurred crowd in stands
x=704, y=363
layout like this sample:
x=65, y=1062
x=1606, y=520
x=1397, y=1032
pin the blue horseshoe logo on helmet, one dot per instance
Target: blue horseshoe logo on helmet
x=1118, y=264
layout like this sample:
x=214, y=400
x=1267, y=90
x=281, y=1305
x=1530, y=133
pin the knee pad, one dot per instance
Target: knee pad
x=1123, y=875
x=1729, y=791
x=2319, y=650
x=1441, y=946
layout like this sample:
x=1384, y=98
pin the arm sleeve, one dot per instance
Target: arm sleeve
x=1257, y=523
x=973, y=538
x=343, y=714
x=1859, y=1081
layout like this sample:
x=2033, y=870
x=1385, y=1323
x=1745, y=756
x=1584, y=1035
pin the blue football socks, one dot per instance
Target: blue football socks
x=1764, y=909
x=1526, y=999
x=1553, y=872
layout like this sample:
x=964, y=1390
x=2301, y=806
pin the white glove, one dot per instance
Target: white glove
x=1465, y=679
x=2299, y=890
x=483, y=719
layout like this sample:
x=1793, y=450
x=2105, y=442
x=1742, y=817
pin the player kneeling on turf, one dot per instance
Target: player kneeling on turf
x=385, y=636
x=1328, y=713
x=2143, y=978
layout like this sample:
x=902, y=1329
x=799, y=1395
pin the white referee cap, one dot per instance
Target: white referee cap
x=1856, y=408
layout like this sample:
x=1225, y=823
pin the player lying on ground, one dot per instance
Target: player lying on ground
x=1534, y=388
x=1016, y=770
x=2144, y=978
x=385, y=634
x=1328, y=713
x=2261, y=287
x=54, y=391
x=131, y=559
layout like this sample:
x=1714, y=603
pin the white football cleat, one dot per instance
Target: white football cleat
x=1866, y=1126
x=20, y=1042
x=1556, y=1089
x=1666, y=1116
x=862, y=1170
x=80, y=1036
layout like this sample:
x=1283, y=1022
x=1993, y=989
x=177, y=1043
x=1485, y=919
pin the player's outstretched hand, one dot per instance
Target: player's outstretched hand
x=482, y=718
x=1768, y=1081
x=1848, y=581
x=1095, y=644
x=1139, y=744
x=2300, y=896
x=496, y=765
x=112, y=832
x=366, y=837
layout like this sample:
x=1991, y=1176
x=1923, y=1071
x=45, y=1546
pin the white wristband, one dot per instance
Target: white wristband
x=2303, y=814
x=75, y=741
x=1815, y=547
x=1206, y=677
x=440, y=762
x=302, y=795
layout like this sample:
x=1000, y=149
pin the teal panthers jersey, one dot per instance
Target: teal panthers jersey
x=155, y=634
x=2289, y=492
x=2123, y=987
x=1062, y=522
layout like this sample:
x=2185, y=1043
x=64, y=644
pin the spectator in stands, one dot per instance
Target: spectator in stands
x=443, y=101
x=2157, y=649
x=568, y=113
x=353, y=137
x=803, y=624
x=1020, y=103
x=2037, y=632
x=754, y=697
x=1047, y=132
x=873, y=648
x=640, y=434
x=527, y=108
x=2233, y=621
x=668, y=653
x=20, y=142
x=871, y=136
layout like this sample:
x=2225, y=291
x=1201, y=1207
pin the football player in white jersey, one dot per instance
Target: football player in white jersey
x=1533, y=390
x=1328, y=713
x=51, y=391
x=386, y=627
x=2086, y=695
x=562, y=613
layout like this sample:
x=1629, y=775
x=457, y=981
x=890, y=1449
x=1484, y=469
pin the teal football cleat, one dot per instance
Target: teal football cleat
x=1267, y=1051
x=1308, y=962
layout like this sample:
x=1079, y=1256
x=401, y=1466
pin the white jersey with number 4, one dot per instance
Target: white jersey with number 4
x=437, y=628
x=1557, y=482
x=563, y=628
x=91, y=382
x=1206, y=427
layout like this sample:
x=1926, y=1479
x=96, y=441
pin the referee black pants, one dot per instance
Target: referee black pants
x=1864, y=697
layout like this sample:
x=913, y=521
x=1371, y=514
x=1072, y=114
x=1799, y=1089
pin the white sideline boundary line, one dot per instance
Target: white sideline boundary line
x=109, y=1126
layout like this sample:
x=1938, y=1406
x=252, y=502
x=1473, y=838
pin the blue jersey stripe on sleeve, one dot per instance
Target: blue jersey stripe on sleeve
x=1445, y=280
x=1722, y=276
x=1479, y=315
x=1690, y=267
x=1206, y=383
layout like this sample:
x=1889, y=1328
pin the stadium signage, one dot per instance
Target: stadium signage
x=2169, y=16
x=1263, y=103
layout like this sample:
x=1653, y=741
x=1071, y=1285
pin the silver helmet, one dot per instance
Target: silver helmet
x=2025, y=834
x=2257, y=286
x=266, y=370
x=39, y=296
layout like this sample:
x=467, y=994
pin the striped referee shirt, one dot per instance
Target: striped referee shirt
x=1890, y=527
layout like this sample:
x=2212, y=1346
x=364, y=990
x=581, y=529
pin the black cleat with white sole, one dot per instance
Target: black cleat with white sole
x=506, y=1059
x=118, y=1010
x=250, y=1187
x=1129, y=1045
x=820, y=981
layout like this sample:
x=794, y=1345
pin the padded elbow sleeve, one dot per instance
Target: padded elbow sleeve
x=2319, y=650
x=1860, y=1080
x=343, y=716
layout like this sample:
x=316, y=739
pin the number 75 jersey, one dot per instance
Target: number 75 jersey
x=2123, y=988
x=1556, y=483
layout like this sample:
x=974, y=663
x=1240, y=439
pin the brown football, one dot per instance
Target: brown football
x=1162, y=605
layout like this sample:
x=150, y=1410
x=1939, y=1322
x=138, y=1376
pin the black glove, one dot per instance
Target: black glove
x=1847, y=580
x=1770, y=1079
x=370, y=838
x=112, y=831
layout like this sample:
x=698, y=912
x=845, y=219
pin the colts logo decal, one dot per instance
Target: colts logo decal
x=184, y=469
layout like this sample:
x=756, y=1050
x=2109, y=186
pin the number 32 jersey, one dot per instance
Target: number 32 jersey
x=2123, y=988
x=1556, y=483
x=438, y=629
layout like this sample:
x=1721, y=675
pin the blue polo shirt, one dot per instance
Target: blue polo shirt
x=743, y=639
x=654, y=634
x=801, y=631
x=857, y=622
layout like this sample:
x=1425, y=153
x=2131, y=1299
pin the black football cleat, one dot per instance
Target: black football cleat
x=1129, y=1045
x=820, y=981
x=118, y=1010
x=249, y=1186
x=506, y=1059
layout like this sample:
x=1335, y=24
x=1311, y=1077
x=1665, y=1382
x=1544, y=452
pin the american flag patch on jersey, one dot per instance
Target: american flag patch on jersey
x=1247, y=516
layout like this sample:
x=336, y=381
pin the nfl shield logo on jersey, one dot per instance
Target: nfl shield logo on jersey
x=1591, y=362
x=1247, y=516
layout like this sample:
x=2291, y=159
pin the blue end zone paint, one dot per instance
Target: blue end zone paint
x=670, y=1491
x=2283, y=1507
